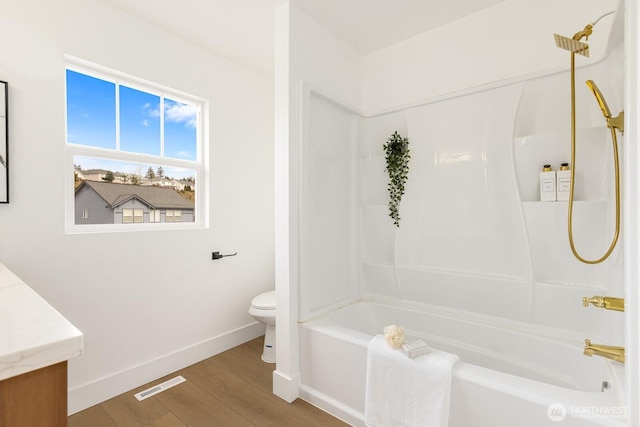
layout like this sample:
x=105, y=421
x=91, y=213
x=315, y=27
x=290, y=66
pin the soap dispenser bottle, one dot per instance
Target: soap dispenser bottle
x=563, y=178
x=547, y=184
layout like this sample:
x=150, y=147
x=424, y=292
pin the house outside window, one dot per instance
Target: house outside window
x=173, y=216
x=130, y=216
x=134, y=136
x=154, y=215
x=114, y=203
x=127, y=216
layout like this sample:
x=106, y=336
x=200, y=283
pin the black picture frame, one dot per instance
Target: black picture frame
x=4, y=142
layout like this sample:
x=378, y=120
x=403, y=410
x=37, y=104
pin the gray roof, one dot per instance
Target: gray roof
x=154, y=197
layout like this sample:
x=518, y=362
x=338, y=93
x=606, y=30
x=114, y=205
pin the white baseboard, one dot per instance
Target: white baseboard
x=284, y=387
x=332, y=406
x=101, y=389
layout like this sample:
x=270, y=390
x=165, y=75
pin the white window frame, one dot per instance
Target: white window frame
x=200, y=165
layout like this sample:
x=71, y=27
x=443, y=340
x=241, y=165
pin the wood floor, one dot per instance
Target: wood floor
x=230, y=389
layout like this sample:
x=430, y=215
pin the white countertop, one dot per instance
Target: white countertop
x=33, y=334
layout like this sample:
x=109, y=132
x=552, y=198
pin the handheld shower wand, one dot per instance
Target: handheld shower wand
x=601, y=102
x=574, y=45
x=612, y=122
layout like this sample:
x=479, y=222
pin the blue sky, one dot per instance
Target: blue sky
x=91, y=119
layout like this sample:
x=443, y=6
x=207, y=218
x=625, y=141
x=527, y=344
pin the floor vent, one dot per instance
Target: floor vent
x=159, y=388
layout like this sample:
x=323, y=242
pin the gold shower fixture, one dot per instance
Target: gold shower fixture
x=574, y=45
x=612, y=122
x=608, y=351
x=609, y=303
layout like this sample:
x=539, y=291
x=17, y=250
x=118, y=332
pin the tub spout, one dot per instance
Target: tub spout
x=608, y=351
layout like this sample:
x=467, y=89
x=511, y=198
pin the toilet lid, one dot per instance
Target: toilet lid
x=266, y=301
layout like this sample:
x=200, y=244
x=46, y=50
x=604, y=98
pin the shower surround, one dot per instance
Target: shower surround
x=473, y=237
x=474, y=242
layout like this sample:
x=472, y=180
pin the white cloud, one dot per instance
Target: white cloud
x=174, y=112
x=152, y=112
x=181, y=113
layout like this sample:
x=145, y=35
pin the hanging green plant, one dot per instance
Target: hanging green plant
x=397, y=157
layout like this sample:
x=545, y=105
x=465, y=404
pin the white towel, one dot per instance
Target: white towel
x=407, y=392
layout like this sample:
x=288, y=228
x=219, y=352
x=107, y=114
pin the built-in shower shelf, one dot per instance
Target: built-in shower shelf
x=557, y=211
x=593, y=175
x=563, y=204
x=550, y=205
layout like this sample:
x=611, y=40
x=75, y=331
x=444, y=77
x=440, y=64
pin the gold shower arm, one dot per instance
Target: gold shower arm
x=584, y=33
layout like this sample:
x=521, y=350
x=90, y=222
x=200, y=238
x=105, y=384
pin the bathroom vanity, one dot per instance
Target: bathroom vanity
x=35, y=343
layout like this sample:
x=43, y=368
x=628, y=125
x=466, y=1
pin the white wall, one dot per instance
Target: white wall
x=148, y=303
x=328, y=212
x=325, y=76
x=511, y=40
x=309, y=59
x=323, y=61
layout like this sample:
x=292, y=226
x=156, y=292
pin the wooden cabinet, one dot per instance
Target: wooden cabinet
x=35, y=399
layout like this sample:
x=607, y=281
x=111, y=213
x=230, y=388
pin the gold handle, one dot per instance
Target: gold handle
x=608, y=303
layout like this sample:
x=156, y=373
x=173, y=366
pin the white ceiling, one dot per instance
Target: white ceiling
x=242, y=30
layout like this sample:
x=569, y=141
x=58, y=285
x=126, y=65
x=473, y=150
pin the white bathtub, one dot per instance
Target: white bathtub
x=510, y=373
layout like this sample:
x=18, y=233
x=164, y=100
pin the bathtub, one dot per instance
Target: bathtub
x=510, y=373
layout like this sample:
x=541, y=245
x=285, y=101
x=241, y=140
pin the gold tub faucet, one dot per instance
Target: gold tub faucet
x=608, y=351
x=609, y=303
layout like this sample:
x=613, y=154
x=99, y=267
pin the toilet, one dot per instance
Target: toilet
x=263, y=309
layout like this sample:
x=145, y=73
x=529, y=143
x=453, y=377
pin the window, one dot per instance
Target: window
x=132, y=143
x=130, y=216
x=154, y=215
x=173, y=216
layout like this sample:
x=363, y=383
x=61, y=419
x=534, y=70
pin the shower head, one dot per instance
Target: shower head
x=601, y=102
x=574, y=45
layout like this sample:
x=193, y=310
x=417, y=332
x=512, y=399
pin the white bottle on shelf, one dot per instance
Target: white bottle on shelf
x=563, y=178
x=547, y=184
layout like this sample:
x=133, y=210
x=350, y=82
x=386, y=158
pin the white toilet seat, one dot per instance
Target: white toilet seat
x=265, y=301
